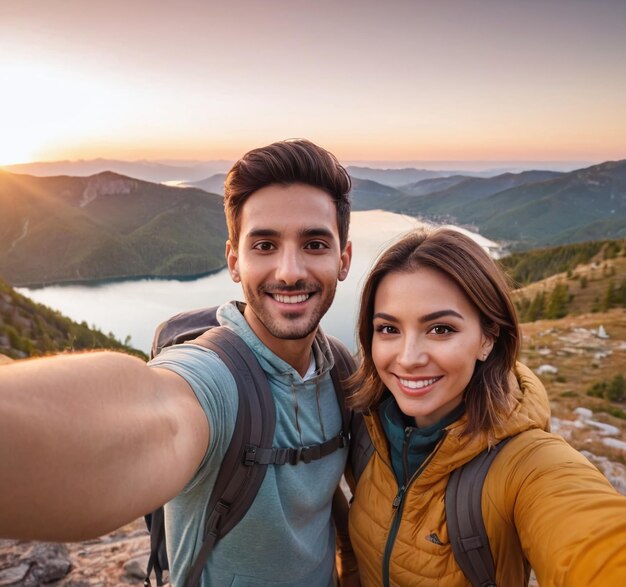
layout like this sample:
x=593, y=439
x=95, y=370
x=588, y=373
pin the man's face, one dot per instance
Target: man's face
x=288, y=260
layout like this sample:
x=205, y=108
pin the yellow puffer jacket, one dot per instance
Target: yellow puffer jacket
x=541, y=500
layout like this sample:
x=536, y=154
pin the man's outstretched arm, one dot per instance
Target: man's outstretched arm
x=91, y=441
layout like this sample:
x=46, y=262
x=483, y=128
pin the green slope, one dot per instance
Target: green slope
x=28, y=329
x=56, y=229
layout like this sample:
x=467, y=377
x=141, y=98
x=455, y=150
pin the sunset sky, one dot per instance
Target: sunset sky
x=402, y=80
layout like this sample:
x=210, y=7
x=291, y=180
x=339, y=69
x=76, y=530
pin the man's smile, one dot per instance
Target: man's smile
x=291, y=298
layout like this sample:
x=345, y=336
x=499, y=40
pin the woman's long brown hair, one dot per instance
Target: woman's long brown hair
x=465, y=262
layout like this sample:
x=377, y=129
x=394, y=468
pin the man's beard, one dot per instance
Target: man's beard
x=286, y=325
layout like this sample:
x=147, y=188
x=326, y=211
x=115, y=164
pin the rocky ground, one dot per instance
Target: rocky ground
x=116, y=559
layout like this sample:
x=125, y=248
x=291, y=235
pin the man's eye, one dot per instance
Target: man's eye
x=317, y=245
x=264, y=246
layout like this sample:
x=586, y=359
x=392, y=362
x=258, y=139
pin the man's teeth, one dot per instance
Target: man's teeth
x=291, y=299
x=418, y=384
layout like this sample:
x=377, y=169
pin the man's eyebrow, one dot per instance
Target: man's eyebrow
x=425, y=318
x=313, y=232
x=304, y=233
x=263, y=232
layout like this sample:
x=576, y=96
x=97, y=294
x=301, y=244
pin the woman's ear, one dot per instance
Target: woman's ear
x=486, y=347
x=488, y=340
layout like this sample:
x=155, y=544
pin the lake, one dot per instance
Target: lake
x=135, y=307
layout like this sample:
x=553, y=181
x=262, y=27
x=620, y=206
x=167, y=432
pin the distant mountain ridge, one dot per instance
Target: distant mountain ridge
x=154, y=171
x=586, y=204
x=213, y=184
x=528, y=209
x=55, y=229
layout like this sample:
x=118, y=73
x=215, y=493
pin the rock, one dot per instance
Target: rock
x=50, y=562
x=614, y=443
x=583, y=413
x=601, y=332
x=136, y=567
x=35, y=565
x=13, y=575
x=543, y=369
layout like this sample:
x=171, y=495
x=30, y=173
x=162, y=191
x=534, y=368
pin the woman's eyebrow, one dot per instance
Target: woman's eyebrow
x=440, y=314
x=384, y=316
x=425, y=318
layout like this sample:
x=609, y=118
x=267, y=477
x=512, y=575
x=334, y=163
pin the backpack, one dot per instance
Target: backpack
x=466, y=527
x=238, y=481
x=250, y=450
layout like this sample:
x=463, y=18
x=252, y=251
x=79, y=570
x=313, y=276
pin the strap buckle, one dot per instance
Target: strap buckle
x=249, y=455
x=302, y=453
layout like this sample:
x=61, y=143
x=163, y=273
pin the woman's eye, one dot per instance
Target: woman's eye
x=441, y=329
x=386, y=329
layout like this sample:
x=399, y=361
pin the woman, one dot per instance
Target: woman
x=438, y=384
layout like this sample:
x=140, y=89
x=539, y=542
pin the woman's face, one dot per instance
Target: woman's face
x=427, y=338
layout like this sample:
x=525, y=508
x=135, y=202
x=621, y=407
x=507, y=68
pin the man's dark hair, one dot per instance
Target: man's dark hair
x=285, y=163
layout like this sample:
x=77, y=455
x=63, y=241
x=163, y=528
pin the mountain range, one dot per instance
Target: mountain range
x=104, y=226
x=528, y=209
x=155, y=171
x=56, y=229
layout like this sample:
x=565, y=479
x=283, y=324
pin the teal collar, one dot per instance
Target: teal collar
x=409, y=444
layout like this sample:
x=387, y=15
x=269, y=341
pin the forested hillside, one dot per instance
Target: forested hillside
x=569, y=280
x=56, y=229
x=28, y=329
x=530, y=266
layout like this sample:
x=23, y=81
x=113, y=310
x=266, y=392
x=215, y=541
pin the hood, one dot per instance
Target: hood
x=231, y=316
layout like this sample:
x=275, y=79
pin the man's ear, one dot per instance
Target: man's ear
x=346, y=259
x=232, y=261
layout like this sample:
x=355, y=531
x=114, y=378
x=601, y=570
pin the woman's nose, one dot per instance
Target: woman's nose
x=412, y=354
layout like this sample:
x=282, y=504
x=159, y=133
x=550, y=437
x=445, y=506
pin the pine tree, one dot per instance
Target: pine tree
x=558, y=302
x=609, y=297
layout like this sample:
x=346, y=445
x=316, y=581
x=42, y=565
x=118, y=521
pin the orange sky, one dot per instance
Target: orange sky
x=400, y=80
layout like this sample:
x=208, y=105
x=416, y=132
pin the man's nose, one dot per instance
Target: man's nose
x=291, y=266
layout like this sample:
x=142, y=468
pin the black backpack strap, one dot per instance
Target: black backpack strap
x=361, y=450
x=342, y=369
x=361, y=447
x=464, y=516
x=238, y=480
x=157, y=561
x=292, y=456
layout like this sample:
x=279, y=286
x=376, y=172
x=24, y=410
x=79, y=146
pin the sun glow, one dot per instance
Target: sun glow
x=45, y=109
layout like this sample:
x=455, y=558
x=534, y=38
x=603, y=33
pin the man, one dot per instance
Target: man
x=91, y=441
